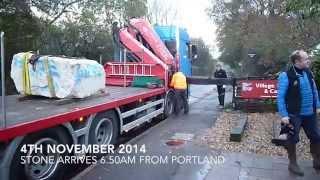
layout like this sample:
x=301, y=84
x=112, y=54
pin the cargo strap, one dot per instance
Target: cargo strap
x=49, y=77
x=26, y=75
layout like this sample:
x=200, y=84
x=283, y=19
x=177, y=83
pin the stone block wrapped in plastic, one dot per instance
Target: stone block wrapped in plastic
x=56, y=77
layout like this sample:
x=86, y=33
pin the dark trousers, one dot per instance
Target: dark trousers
x=181, y=101
x=309, y=125
x=116, y=53
x=221, y=93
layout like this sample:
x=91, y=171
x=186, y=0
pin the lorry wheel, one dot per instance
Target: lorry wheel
x=34, y=169
x=104, y=128
x=169, y=105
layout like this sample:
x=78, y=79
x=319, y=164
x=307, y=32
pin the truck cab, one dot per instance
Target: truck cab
x=180, y=39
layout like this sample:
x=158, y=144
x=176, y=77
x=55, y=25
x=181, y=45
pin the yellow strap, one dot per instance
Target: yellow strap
x=26, y=75
x=49, y=77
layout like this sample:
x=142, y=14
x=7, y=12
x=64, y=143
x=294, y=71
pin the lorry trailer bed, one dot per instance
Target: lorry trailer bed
x=32, y=114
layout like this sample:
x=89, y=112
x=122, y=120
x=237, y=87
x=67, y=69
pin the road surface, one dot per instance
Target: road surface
x=184, y=129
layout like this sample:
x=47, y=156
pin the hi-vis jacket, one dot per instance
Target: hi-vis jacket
x=179, y=81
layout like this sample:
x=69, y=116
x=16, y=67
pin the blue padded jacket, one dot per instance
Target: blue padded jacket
x=305, y=92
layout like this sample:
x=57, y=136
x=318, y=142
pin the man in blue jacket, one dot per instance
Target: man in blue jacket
x=298, y=105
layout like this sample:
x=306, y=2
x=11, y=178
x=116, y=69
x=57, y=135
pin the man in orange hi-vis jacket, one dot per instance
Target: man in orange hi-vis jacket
x=179, y=83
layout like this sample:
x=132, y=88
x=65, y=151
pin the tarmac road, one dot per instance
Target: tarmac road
x=160, y=160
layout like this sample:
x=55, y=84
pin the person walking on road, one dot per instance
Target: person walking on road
x=220, y=73
x=116, y=42
x=298, y=105
x=179, y=84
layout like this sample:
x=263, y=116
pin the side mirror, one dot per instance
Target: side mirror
x=194, y=52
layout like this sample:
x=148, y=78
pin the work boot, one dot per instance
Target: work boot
x=293, y=165
x=315, y=152
x=186, y=109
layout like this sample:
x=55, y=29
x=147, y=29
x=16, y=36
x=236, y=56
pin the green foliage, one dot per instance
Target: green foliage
x=135, y=8
x=307, y=8
x=308, y=11
x=78, y=28
x=22, y=32
x=266, y=27
x=316, y=67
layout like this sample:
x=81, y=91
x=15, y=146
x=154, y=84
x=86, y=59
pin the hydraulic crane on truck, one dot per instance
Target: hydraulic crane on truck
x=152, y=58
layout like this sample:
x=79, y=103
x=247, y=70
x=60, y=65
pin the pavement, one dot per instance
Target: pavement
x=248, y=166
x=173, y=152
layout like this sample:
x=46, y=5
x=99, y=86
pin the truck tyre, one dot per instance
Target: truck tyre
x=169, y=105
x=40, y=171
x=104, y=128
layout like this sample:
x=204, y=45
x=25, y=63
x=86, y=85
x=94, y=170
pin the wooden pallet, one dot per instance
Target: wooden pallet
x=58, y=101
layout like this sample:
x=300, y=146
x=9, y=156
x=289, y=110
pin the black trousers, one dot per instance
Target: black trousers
x=181, y=101
x=309, y=125
x=221, y=94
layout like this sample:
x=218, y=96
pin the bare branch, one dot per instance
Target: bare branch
x=64, y=10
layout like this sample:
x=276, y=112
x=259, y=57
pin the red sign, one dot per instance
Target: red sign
x=258, y=89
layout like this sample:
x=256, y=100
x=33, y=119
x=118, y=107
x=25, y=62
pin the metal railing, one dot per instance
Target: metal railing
x=123, y=68
x=137, y=69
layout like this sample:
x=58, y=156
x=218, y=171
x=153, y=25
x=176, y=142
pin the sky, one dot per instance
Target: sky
x=192, y=16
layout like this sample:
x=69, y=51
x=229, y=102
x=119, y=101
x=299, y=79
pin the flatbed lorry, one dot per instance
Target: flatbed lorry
x=98, y=119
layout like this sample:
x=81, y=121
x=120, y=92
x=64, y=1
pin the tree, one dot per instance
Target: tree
x=162, y=12
x=205, y=63
x=21, y=31
x=316, y=67
x=135, y=8
x=262, y=25
x=308, y=12
x=306, y=8
x=52, y=10
x=78, y=28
